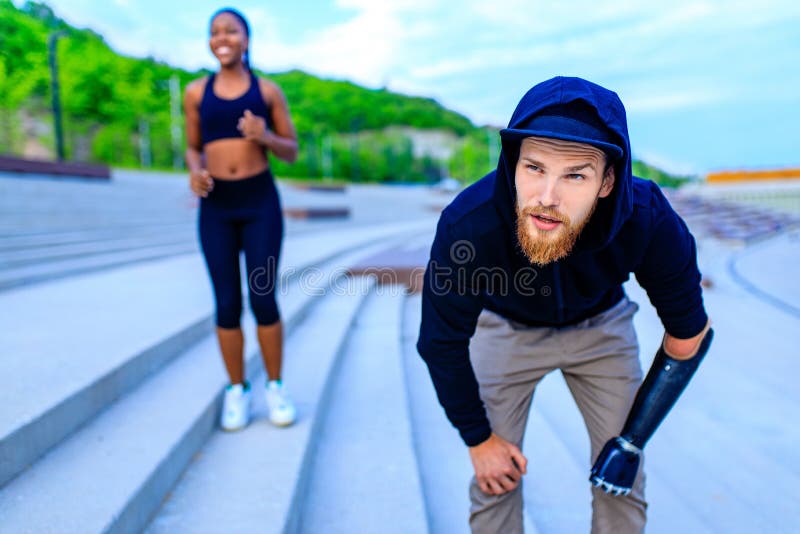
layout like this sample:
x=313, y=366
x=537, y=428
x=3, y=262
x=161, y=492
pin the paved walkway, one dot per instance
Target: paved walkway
x=52, y=228
x=726, y=459
x=768, y=270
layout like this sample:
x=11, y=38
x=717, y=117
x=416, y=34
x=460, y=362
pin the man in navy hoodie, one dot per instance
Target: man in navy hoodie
x=525, y=277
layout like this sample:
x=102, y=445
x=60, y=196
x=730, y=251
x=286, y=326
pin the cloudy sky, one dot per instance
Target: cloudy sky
x=707, y=85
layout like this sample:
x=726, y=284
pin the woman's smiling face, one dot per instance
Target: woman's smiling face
x=228, y=40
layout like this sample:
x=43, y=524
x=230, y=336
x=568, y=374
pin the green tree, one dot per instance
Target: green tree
x=107, y=98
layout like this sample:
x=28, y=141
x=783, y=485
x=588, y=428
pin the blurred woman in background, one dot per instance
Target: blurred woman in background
x=233, y=120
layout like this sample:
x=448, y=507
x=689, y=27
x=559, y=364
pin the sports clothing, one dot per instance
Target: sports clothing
x=219, y=117
x=242, y=215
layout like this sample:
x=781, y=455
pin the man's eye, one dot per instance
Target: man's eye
x=533, y=168
x=576, y=177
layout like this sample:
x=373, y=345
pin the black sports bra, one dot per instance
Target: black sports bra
x=220, y=116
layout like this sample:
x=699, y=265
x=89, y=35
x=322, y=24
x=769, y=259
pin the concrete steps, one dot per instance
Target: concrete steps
x=347, y=465
x=364, y=472
x=92, y=338
x=444, y=466
x=255, y=480
x=119, y=473
x=61, y=251
x=24, y=240
x=29, y=258
x=73, y=346
x=16, y=276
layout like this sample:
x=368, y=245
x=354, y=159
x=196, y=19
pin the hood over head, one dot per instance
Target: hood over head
x=572, y=109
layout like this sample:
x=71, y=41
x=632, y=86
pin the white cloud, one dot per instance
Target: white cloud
x=366, y=48
x=549, y=18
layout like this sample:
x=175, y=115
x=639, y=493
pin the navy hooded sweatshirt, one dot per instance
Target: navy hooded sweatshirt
x=476, y=261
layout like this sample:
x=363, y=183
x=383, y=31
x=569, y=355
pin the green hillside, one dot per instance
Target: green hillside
x=116, y=110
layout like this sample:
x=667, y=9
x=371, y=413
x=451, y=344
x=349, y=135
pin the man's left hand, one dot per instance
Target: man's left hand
x=615, y=468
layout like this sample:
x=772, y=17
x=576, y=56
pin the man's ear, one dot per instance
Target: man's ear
x=608, y=182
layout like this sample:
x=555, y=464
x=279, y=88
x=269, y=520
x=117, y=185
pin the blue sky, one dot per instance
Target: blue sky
x=707, y=85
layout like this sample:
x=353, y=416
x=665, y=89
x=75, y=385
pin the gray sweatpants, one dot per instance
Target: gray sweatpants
x=599, y=359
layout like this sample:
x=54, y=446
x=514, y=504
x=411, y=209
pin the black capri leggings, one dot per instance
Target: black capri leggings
x=242, y=215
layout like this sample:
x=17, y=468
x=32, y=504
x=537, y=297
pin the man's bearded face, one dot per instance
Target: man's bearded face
x=559, y=184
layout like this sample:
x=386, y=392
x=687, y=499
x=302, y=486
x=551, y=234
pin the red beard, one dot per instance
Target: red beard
x=543, y=247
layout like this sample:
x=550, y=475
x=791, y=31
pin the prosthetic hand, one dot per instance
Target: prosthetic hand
x=615, y=468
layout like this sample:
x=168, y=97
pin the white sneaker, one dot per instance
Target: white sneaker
x=281, y=409
x=235, y=407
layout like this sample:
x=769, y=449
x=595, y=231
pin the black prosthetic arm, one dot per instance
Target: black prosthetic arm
x=664, y=383
x=615, y=468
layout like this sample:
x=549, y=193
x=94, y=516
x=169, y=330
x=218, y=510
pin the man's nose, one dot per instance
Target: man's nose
x=548, y=196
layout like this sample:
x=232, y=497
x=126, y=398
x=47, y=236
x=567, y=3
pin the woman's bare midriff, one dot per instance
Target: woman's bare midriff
x=234, y=159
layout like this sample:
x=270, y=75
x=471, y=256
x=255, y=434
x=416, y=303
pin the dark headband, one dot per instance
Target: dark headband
x=236, y=14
